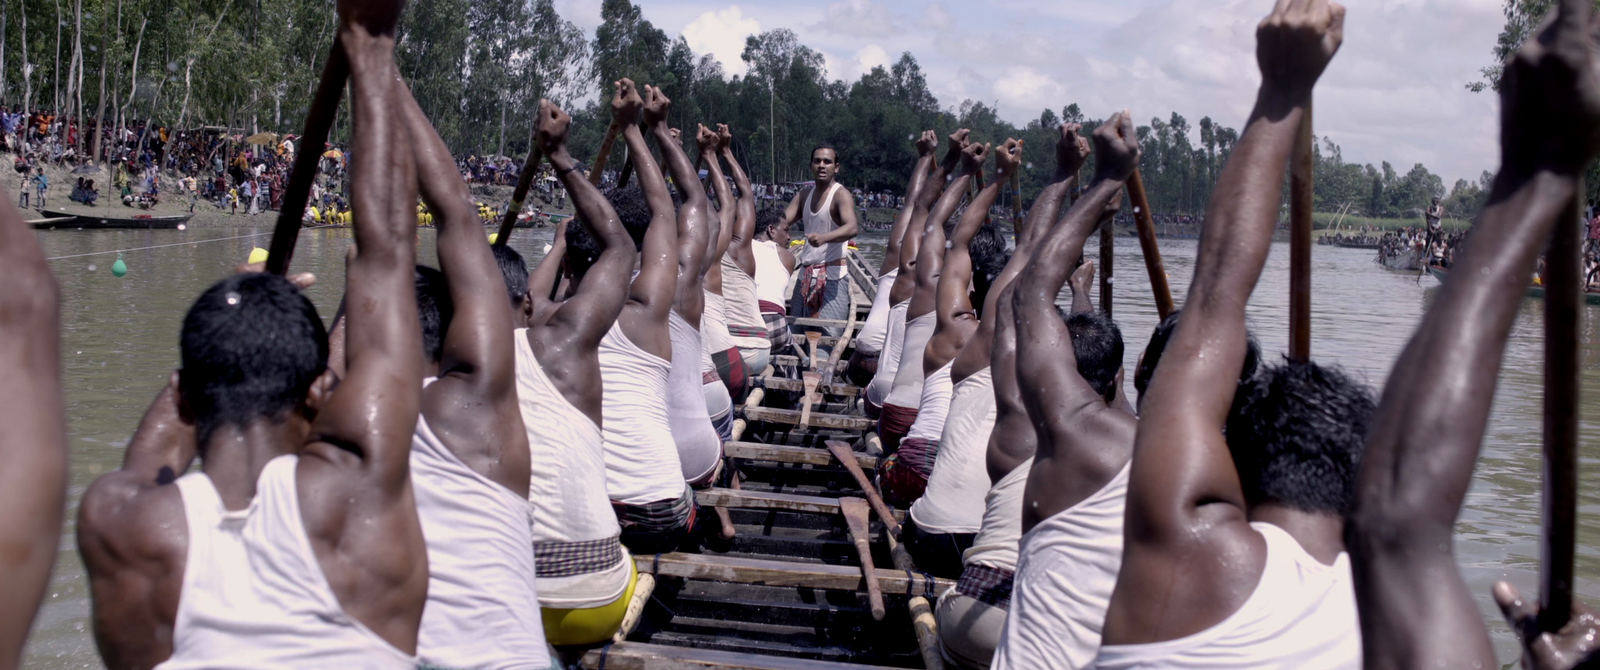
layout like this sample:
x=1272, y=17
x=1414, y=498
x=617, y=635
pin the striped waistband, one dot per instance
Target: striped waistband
x=988, y=585
x=567, y=559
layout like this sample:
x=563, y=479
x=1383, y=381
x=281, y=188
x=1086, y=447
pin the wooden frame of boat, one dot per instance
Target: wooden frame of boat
x=58, y=220
x=784, y=576
x=1534, y=291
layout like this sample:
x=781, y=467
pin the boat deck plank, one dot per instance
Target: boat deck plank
x=645, y=656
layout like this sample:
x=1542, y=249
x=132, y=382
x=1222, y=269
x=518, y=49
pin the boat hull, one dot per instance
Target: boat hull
x=63, y=220
x=1589, y=297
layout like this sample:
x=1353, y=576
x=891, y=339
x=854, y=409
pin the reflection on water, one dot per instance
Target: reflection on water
x=119, y=342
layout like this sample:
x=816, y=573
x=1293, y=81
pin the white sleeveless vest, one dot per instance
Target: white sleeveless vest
x=871, y=338
x=699, y=448
x=483, y=605
x=641, y=459
x=1302, y=616
x=254, y=595
x=997, y=541
x=907, y=389
x=741, y=306
x=953, y=502
x=772, y=278
x=894, y=340
x=568, y=485
x=1067, y=569
x=819, y=222
x=933, y=407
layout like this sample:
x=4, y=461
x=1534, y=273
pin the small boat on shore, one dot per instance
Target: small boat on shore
x=56, y=220
x=1534, y=291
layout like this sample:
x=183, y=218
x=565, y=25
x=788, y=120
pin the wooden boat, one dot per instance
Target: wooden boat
x=1534, y=291
x=1406, y=260
x=58, y=219
x=1371, y=246
x=791, y=571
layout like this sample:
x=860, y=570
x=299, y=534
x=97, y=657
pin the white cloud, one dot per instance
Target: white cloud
x=860, y=18
x=937, y=17
x=722, y=33
x=1027, y=88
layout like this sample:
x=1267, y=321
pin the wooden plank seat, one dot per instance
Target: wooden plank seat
x=817, y=420
x=798, y=386
x=783, y=454
x=645, y=656
x=788, y=502
x=740, y=570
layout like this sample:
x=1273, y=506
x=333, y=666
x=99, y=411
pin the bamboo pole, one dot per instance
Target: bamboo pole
x=1147, y=242
x=1108, y=257
x=324, y=109
x=1301, y=184
x=1563, y=307
x=598, y=169
x=524, y=182
x=847, y=457
x=923, y=622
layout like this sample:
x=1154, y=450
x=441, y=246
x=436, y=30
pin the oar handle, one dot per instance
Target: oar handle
x=1563, y=306
x=1301, y=184
x=598, y=169
x=524, y=182
x=324, y=108
x=1146, y=222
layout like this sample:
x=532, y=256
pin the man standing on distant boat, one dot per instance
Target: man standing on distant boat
x=828, y=213
x=1435, y=218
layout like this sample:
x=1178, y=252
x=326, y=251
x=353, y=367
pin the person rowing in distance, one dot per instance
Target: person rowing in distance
x=774, y=269
x=921, y=193
x=1415, y=609
x=872, y=339
x=690, y=397
x=721, y=357
x=826, y=211
x=644, y=475
x=585, y=576
x=974, y=241
x=297, y=543
x=745, y=323
x=469, y=455
x=900, y=335
x=34, y=444
x=961, y=497
x=1233, y=551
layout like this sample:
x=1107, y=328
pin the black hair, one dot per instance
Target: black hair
x=584, y=247
x=767, y=218
x=989, y=257
x=251, y=347
x=1297, y=432
x=1097, y=344
x=1158, y=344
x=514, y=270
x=829, y=146
x=434, y=310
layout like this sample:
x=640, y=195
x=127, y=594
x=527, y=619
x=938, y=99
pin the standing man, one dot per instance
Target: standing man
x=827, y=213
x=297, y=543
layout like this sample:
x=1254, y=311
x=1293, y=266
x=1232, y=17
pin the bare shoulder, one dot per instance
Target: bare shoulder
x=124, y=522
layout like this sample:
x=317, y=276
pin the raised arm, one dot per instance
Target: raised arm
x=744, y=220
x=1185, y=502
x=727, y=212
x=926, y=144
x=372, y=414
x=933, y=188
x=33, y=445
x=474, y=405
x=658, y=266
x=1415, y=608
x=930, y=251
x=591, y=310
x=953, y=299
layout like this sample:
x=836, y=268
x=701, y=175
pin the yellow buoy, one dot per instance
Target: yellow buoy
x=494, y=237
x=257, y=255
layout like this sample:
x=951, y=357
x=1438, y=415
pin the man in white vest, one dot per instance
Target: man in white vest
x=826, y=211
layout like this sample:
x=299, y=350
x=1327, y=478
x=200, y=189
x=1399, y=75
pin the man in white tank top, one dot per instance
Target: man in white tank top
x=297, y=543
x=774, y=268
x=581, y=566
x=737, y=273
x=34, y=444
x=1234, y=545
x=469, y=457
x=1416, y=610
x=872, y=340
x=827, y=212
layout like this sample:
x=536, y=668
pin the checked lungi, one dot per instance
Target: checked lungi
x=903, y=475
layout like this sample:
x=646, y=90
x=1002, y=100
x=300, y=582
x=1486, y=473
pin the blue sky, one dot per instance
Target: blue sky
x=1395, y=92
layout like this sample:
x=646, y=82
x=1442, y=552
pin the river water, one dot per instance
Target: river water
x=120, y=335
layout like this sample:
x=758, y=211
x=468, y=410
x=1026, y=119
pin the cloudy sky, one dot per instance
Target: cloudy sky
x=1395, y=92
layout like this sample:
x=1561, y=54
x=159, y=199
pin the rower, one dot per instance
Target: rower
x=644, y=476
x=296, y=543
x=1233, y=549
x=920, y=197
x=745, y=323
x=827, y=212
x=774, y=268
x=699, y=446
x=973, y=241
x=34, y=443
x=871, y=340
x=584, y=575
x=1415, y=609
x=953, y=505
x=722, y=356
x=469, y=454
x=901, y=405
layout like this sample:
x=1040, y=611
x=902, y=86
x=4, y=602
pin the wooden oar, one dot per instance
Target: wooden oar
x=1300, y=202
x=598, y=169
x=922, y=621
x=1108, y=258
x=1147, y=242
x=1563, y=305
x=324, y=108
x=529, y=167
x=847, y=457
x=812, y=379
x=856, y=514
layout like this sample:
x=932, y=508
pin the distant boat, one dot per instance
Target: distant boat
x=1534, y=291
x=1408, y=259
x=1357, y=245
x=59, y=220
